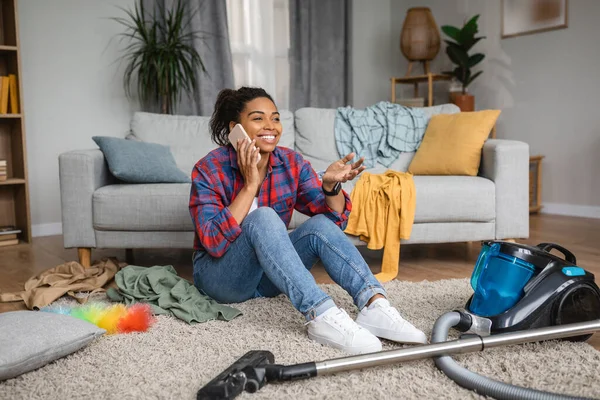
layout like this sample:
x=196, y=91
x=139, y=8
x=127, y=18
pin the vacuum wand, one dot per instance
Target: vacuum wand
x=256, y=368
x=458, y=346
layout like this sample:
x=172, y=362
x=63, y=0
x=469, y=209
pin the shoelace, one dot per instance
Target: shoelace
x=343, y=320
x=393, y=314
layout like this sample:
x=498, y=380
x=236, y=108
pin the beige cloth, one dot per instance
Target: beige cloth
x=67, y=278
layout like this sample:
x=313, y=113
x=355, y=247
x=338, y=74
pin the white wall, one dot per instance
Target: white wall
x=72, y=90
x=547, y=87
x=371, y=59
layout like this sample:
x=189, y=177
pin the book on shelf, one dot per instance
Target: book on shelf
x=9, y=230
x=10, y=236
x=8, y=94
x=9, y=242
x=4, y=94
x=3, y=170
x=14, y=102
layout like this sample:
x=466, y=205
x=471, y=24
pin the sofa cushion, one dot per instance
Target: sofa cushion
x=455, y=199
x=142, y=207
x=189, y=136
x=314, y=131
x=140, y=162
x=452, y=143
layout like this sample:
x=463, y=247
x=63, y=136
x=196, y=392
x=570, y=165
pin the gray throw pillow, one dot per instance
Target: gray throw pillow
x=140, y=162
x=32, y=339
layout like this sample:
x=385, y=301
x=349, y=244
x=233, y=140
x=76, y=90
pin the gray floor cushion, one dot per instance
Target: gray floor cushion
x=32, y=339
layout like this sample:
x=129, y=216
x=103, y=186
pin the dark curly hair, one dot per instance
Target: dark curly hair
x=228, y=107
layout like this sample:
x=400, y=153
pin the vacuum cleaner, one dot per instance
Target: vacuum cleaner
x=521, y=294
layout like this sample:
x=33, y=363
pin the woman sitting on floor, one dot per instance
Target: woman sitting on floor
x=241, y=209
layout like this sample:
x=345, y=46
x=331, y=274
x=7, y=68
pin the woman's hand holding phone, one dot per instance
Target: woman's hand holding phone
x=248, y=154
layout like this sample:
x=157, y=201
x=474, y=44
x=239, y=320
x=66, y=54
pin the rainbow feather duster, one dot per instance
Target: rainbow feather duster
x=114, y=318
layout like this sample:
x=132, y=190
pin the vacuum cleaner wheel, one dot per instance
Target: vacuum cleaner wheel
x=580, y=303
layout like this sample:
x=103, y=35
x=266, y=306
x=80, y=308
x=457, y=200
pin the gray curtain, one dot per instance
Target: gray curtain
x=319, y=53
x=210, y=20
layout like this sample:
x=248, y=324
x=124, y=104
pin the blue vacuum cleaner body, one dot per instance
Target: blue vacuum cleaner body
x=519, y=287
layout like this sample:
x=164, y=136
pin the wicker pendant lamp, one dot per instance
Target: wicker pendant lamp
x=420, y=37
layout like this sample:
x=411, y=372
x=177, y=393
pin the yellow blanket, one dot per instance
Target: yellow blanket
x=383, y=212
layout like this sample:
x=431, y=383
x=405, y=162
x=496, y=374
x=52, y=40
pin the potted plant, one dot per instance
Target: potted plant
x=463, y=39
x=161, y=59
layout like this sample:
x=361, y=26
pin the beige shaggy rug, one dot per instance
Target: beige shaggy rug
x=173, y=360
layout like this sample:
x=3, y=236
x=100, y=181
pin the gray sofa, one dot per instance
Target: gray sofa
x=98, y=211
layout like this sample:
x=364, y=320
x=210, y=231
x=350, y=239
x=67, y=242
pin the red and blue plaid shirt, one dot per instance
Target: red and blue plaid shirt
x=290, y=183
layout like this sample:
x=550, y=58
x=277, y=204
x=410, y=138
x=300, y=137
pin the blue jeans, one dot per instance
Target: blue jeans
x=266, y=260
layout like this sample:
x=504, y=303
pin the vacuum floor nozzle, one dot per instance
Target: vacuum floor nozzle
x=246, y=374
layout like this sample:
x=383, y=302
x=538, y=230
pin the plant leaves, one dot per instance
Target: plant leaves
x=466, y=77
x=468, y=45
x=457, y=55
x=472, y=78
x=468, y=31
x=475, y=59
x=470, y=28
x=459, y=74
x=451, y=31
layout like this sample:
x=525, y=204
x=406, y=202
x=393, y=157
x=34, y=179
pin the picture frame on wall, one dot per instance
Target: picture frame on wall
x=525, y=17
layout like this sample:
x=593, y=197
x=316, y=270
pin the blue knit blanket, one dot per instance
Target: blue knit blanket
x=379, y=132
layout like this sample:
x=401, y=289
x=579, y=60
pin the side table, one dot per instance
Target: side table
x=430, y=78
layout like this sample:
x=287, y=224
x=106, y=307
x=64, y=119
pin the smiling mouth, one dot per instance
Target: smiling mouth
x=268, y=138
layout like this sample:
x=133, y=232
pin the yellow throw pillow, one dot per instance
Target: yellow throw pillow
x=452, y=143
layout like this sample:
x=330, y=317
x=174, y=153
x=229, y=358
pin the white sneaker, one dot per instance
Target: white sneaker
x=384, y=321
x=335, y=328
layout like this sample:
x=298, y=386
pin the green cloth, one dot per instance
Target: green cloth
x=167, y=293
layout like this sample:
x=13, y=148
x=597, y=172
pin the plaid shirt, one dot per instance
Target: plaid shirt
x=290, y=183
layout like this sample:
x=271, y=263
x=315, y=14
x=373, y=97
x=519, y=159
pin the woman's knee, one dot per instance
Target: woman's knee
x=321, y=223
x=264, y=217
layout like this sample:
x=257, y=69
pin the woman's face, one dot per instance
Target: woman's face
x=260, y=119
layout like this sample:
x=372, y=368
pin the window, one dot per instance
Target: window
x=260, y=40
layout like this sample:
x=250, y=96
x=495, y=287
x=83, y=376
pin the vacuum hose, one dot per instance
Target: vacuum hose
x=473, y=381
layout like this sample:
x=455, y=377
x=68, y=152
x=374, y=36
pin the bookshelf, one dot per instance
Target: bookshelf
x=14, y=191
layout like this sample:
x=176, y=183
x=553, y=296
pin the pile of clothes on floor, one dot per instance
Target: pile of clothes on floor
x=158, y=288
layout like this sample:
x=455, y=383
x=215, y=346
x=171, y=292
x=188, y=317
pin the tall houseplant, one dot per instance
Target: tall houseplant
x=161, y=60
x=463, y=40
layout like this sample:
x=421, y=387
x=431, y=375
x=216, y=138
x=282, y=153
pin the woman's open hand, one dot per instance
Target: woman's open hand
x=341, y=171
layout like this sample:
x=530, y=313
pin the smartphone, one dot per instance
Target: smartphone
x=237, y=133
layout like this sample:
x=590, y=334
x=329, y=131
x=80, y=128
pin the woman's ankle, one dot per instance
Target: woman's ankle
x=372, y=299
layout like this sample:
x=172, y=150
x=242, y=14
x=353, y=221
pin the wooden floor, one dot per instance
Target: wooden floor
x=417, y=262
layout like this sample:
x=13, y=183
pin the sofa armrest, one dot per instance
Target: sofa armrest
x=81, y=173
x=506, y=162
